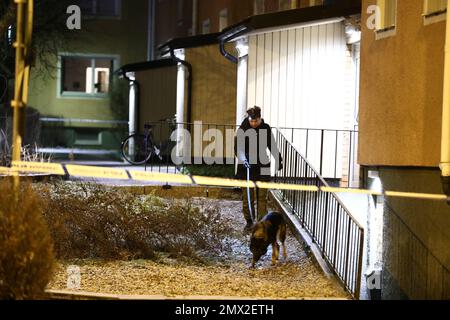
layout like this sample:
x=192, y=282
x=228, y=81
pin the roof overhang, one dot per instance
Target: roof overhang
x=189, y=42
x=146, y=65
x=292, y=18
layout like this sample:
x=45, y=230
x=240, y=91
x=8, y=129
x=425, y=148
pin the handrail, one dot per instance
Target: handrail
x=337, y=233
x=324, y=183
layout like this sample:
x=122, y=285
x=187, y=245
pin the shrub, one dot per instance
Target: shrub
x=92, y=221
x=26, y=257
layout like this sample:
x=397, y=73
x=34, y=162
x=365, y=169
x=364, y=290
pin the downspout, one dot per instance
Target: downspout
x=225, y=53
x=189, y=67
x=194, y=17
x=445, y=138
x=133, y=112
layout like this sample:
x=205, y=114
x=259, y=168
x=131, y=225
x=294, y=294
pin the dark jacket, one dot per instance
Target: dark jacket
x=260, y=163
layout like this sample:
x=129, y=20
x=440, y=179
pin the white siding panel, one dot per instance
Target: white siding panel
x=266, y=104
x=281, y=121
x=260, y=74
x=251, y=82
x=290, y=82
x=300, y=77
x=275, y=80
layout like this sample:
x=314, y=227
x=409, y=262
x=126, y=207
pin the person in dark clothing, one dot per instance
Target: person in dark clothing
x=252, y=140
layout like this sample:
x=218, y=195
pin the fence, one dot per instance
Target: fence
x=332, y=152
x=331, y=226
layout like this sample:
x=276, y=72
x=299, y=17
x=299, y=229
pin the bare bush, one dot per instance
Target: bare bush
x=91, y=221
x=26, y=257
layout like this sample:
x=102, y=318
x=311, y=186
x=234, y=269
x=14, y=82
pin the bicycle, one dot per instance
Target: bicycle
x=139, y=148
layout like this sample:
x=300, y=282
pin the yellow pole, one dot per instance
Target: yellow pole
x=17, y=104
x=445, y=138
x=24, y=30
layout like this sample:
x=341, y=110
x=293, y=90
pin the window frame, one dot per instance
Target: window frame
x=382, y=31
x=433, y=17
x=93, y=15
x=83, y=95
x=223, y=14
x=208, y=23
x=259, y=4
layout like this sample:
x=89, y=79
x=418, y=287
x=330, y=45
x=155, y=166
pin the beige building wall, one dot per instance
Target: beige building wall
x=158, y=94
x=213, y=87
x=213, y=97
x=401, y=91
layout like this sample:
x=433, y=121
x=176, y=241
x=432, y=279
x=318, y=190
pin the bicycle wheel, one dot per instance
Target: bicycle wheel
x=136, y=149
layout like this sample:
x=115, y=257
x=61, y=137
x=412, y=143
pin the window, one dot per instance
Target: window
x=180, y=13
x=258, y=7
x=223, y=19
x=313, y=3
x=100, y=8
x=287, y=4
x=434, y=11
x=87, y=137
x=85, y=75
x=388, y=15
x=206, y=26
x=434, y=7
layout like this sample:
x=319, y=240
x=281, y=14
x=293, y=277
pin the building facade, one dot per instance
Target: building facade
x=82, y=107
x=402, y=63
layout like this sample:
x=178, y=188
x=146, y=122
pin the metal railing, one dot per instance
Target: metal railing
x=329, y=223
x=333, y=152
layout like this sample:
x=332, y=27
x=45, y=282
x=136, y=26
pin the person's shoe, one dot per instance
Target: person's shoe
x=248, y=226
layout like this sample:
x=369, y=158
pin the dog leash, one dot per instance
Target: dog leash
x=248, y=195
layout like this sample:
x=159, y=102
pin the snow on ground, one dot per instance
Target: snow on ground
x=225, y=275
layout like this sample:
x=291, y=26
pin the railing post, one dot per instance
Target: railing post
x=324, y=239
x=360, y=261
x=336, y=238
x=321, y=152
x=350, y=162
x=283, y=192
x=347, y=251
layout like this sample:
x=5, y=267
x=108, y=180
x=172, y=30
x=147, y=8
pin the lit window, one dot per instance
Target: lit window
x=388, y=14
x=313, y=3
x=258, y=7
x=85, y=75
x=287, y=4
x=100, y=8
x=434, y=7
x=206, y=26
x=223, y=19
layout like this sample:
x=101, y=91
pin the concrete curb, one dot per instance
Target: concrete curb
x=82, y=295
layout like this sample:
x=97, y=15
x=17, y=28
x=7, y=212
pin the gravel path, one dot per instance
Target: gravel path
x=226, y=275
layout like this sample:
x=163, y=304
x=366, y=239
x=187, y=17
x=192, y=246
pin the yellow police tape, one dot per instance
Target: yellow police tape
x=109, y=173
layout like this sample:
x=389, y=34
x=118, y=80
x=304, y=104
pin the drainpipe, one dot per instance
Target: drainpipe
x=445, y=138
x=194, y=17
x=241, y=90
x=134, y=103
x=189, y=67
x=227, y=54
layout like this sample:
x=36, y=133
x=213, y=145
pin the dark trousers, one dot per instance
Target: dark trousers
x=260, y=207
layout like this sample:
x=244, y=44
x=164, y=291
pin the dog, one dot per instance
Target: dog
x=268, y=231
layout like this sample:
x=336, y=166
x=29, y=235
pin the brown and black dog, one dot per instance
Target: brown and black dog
x=267, y=232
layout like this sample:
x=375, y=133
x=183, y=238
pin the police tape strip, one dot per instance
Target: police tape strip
x=122, y=174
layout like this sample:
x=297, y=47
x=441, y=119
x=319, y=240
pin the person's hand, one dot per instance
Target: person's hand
x=246, y=164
